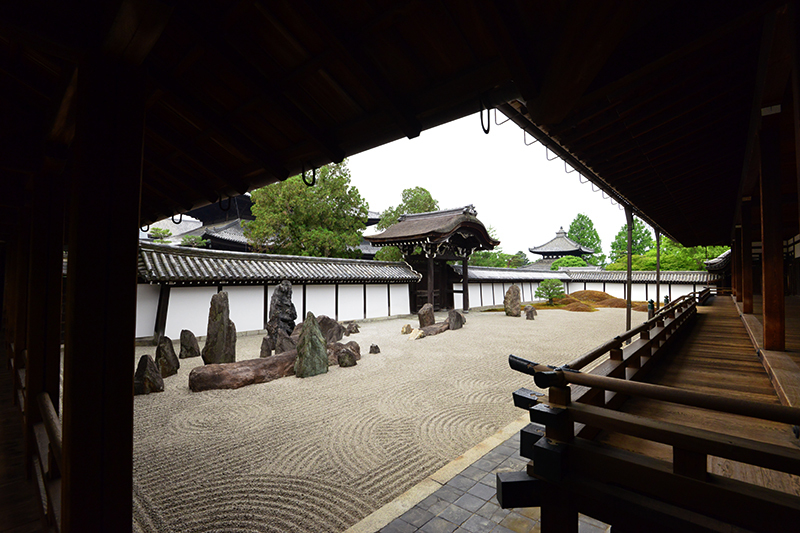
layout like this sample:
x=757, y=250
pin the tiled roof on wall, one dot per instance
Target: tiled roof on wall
x=159, y=264
x=487, y=274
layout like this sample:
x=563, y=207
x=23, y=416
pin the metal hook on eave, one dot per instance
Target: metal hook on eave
x=597, y=189
x=495, y=119
x=220, y=203
x=488, y=125
x=525, y=138
x=180, y=218
x=144, y=228
x=565, y=168
x=580, y=180
x=313, y=177
x=547, y=152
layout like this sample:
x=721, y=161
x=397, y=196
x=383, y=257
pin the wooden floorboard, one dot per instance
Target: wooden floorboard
x=716, y=357
x=20, y=507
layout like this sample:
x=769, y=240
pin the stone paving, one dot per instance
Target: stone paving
x=468, y=502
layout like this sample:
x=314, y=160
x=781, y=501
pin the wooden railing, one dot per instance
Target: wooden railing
x=611, y=482
x=47, y=463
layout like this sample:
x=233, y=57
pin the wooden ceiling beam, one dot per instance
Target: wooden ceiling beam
x=352, y=50
x=214, y=38
x=163, y=166
x=183, y=93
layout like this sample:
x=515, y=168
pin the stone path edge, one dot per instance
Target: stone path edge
x=383, y=516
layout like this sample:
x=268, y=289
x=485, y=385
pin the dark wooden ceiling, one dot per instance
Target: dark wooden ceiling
x=655, y=100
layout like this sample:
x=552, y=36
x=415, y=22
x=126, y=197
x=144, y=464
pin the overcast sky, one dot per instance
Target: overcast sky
x=514, y=188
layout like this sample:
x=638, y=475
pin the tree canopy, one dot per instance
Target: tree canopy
x=325, y=220
x=496, y=258
x=582, y=231
x=549, y=289
x=641, y=242
x=415, y=200
x=567, y=261
x=674, y=256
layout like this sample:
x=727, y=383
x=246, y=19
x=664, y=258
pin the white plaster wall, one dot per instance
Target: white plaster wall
x=146, y=307
x=615, y=289
x=188, y=309
x=351, y=302
x=400, y=299
x=594, y=287
x=680, y=290
x=247, y=306
x=474, y=295
x=638, y=292
x=297, y=300
x=499, y=293
x=321, y=300
x=377, y=300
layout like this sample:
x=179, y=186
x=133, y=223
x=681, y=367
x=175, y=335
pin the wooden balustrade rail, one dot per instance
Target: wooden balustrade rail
x=52, y=425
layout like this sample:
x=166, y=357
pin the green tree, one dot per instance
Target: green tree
x=549, y=289
x=674, y=256
x=325, y=220
x=194, y=241
x=518, y=259
x=415, y=200
x=160, y=235
x=567, y=261
x=642, y=241
x=582, y=231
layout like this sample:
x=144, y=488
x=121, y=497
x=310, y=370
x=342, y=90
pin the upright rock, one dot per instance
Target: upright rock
x=147, y=378
x=266, y=347
x=312, y=355
x=350, y=328
x=373, y=348
x=284, y=342
x=512, y=301
x=331, y=329
x=282, y=313
x=530, y=312
x=189, y=345
x=426, y=317
x=455, y=319
x=221, y=335
x=166, y=360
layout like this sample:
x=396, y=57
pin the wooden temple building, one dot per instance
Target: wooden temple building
x=428, y=241
x=556, y=248
x=118, y=114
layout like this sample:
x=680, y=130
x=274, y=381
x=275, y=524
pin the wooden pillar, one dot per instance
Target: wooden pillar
x=736, y=275
x=161, y=313
x=772, y=236
x=44, y=299
x=101, y=298
x=737, y=258
x=658, y=269
x=628, y=282
x=465, y=283
x=430, y=281
x=747, y=258
x=22, y=252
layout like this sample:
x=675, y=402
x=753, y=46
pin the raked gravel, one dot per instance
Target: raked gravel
x=318, y=454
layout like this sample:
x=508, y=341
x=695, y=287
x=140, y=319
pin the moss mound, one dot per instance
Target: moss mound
x=590, y=296
x=567, y=300
x=580, y=307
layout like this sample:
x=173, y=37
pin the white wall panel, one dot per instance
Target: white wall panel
x=499, y=293
x=247, y=306
x=188, y=309
x=399, y=299
x=377, y=300
x=594, y=287
x=351, y=302
x=458, y=298
x=321, y=300
x=146, y=306
x=474, y=295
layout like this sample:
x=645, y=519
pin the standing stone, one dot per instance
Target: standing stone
x=350, y=328
x=426, y=317
x=373, y=348
x=266, y=347
x=512, y=301
x=406, y=329
x=166, y=360
x=147, y=378
x=189, y=346
x=345, y=357
x=312, y=355
x=285, y=343
x=331, y=329
x=282, y=313
x=530, y=312
x=455, y=319
x=221, y=335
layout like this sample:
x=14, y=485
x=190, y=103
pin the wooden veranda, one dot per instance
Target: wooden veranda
x=122, y=113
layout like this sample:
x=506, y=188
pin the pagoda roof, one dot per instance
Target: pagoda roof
x=561, y=245
x=436, y=227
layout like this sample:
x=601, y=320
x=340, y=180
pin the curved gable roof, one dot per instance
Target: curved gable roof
x=562, y=245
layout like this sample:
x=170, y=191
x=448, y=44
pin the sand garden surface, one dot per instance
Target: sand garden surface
x=319, y=454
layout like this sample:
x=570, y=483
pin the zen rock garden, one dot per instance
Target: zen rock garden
x=428, y=326
x=304, y=350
